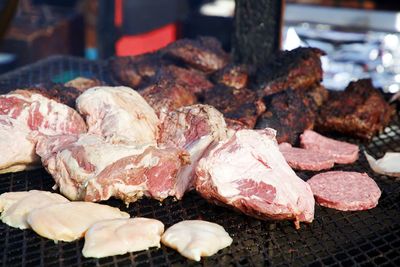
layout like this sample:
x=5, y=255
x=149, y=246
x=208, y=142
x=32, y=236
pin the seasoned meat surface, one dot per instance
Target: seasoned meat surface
x=296, y=69
x=290, y=113
x=134, y=71
x=204, y=53
x=360, y=111
x=233, y=76
x=241, y=105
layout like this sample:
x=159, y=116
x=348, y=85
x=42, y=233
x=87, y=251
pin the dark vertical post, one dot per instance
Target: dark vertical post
x=257, y=30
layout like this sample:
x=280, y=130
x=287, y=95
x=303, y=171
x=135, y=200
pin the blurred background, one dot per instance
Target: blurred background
x=361, y=37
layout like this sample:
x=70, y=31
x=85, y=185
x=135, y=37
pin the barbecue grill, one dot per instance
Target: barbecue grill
x=335, y=238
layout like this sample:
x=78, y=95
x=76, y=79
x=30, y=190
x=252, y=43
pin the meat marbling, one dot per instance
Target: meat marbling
x=247, y=172
x=119, y=114
x=89, y=168
x=24, y=113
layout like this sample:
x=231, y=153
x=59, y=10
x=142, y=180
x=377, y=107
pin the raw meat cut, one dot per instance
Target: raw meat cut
x=248, y=172
x=195, y=238
x=193, y=128
x=360, y=110
x=389, y=164
x=16, y=214
x=119, y=114
x=299, y=68
x=87, y=167
x=204, y=53
x=24, y=112
x=341, y=152
x=346, y=191
x=120, y=236
x=8, y=199
x=18, y=149
x=69, y=221
x=304, y=159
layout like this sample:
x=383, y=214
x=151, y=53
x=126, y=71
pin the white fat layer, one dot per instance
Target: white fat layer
x=16, y=214
x=14, y=140
x=195, y=239
x=69, y=221
x=120, y=236
x=119, y=114
x=389, y=164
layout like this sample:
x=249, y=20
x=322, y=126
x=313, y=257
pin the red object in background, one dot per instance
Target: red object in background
x=145, y=42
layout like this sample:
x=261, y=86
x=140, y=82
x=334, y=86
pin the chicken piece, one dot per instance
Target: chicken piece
x=24, y=112
x=192, y=128
x=119, y=114
x=195, y=238
x=248, y=172
x=167, y=95
x=204, y=53
x=299, y=68
x=89, y=168
x=235, y=76
x=241, y=105
x=15, y=215
x=360, y=111
x=69, y=221
x=8, y=199
x=387, y=165
x=120, y=236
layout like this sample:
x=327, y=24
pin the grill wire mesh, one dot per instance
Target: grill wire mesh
x=364, y=238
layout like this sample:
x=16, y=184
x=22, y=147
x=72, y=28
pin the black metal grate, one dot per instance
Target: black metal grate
x=365, y=238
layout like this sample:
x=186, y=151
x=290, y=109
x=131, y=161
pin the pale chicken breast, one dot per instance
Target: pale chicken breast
x=119, y=114
x=69, y=221
x=9, y=198
x=389, y=164
x=195, y=238
x=120, y=236
x=15, y=215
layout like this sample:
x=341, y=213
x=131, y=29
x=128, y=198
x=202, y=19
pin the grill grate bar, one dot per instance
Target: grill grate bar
x=334, y=239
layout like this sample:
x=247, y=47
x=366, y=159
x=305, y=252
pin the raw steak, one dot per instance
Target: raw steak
x=341, y=152
x=119, y=114
x=304, y=159
x=248, y=172
x=347, y=191
x=192, y=128
x=88, y=168
x=24, y=113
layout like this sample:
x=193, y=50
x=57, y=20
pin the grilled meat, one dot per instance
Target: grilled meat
x=296, y=69
x=167, y=95
x=359, y=111
x=192, y=80
x=204, y=53
x=134, y=71
x=235, y=76
x=241, y=105
x=290, y=112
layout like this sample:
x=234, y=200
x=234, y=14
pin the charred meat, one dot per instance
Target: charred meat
x=359, y=111
x=235, y=76
x=296, y=69
x=204, y=53
x=241, y=105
